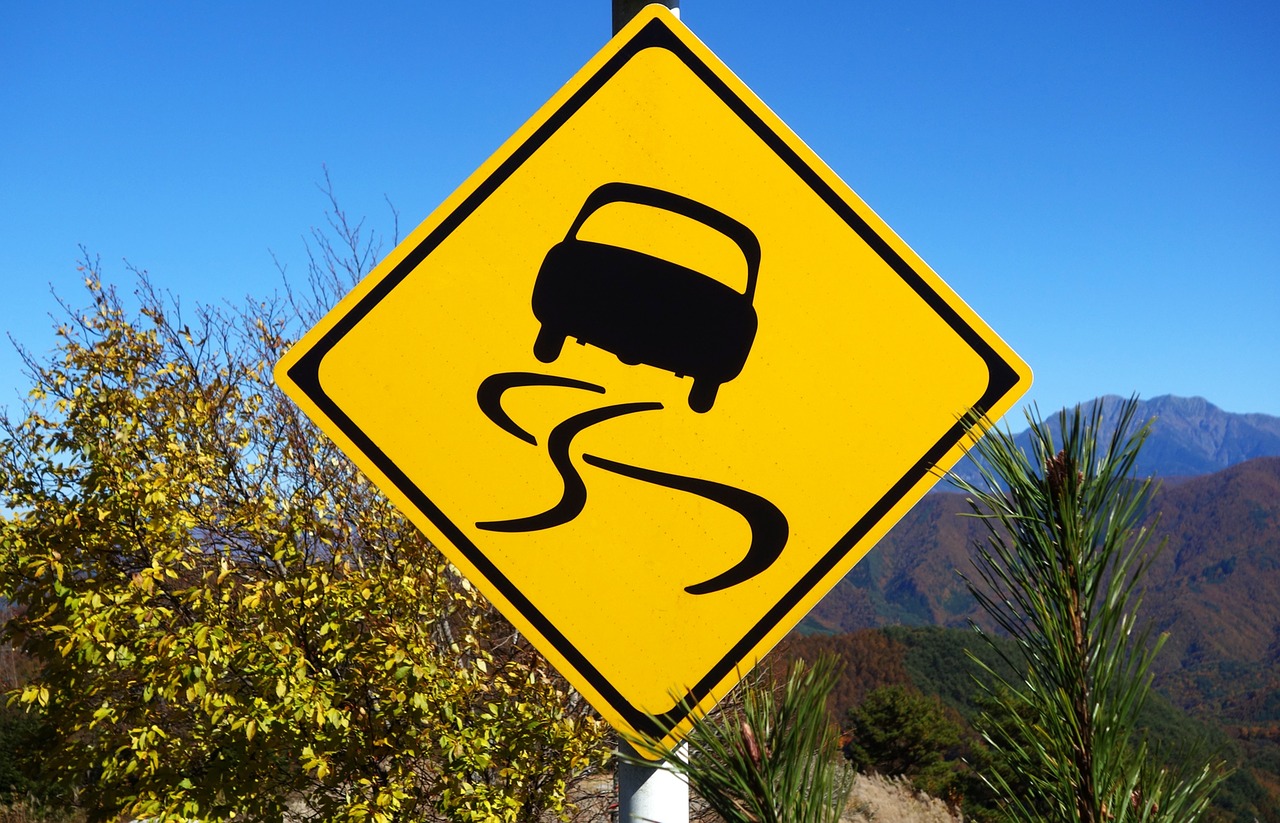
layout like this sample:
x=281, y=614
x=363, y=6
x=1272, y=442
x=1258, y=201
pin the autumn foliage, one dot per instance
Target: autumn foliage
x=228, y=619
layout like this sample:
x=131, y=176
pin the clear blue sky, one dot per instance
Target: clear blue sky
x=1099, y=180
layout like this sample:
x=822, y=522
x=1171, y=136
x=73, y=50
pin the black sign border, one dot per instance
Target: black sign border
x=305, y=373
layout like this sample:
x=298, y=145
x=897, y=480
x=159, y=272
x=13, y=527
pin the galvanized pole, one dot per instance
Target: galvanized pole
x=650, y=793
x=647, y=793
x=624, y=10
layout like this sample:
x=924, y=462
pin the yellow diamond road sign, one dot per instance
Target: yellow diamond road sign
x=653, y=378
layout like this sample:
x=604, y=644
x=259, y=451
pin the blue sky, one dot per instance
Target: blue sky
x=1100, y=181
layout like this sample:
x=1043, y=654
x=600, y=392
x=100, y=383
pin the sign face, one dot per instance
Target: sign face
x=653, y=378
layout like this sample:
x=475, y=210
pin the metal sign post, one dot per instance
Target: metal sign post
x=647, y=791
x=650, y=791
x=624, y=10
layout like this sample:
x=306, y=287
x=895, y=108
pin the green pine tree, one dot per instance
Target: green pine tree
x=1060, y=573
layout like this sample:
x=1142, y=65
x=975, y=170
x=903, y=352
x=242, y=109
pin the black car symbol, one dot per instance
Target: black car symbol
x=645, y=309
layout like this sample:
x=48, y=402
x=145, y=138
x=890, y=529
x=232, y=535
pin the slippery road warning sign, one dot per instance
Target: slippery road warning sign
x=653, y=378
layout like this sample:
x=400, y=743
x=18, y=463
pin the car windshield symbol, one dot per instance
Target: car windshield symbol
x=645, y=309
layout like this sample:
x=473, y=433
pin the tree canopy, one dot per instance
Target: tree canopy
x=227, y=618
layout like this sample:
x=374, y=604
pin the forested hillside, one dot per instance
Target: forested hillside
x=1214, y=589
x=935, y=664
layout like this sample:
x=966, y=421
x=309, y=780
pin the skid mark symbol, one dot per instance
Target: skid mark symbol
x=768, y=524
x=489, y=396
x=769, y=528
x=575, y=491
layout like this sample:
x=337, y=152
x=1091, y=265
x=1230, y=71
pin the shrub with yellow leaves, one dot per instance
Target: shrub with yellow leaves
x=229, y=620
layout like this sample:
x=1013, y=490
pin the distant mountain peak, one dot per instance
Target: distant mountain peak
x=1190, y=436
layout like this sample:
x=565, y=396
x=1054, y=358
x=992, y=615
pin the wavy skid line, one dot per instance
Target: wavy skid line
x=769, y=527
x=489, y=396
x=575, y=491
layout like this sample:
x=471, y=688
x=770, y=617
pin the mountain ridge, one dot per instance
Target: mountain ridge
x=1190, y=436
x=1221, y=563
